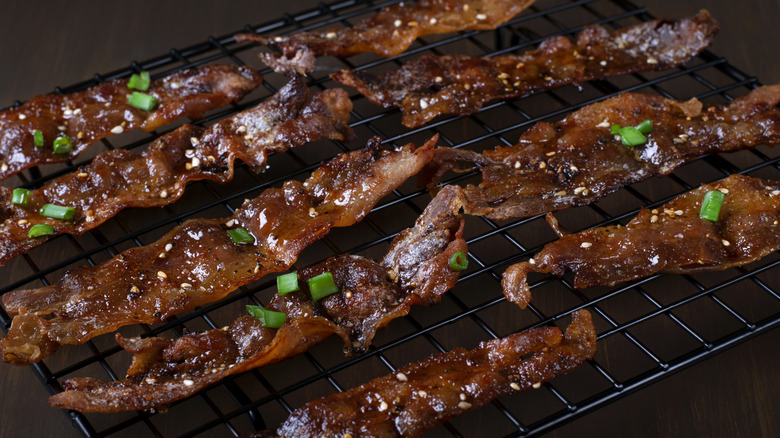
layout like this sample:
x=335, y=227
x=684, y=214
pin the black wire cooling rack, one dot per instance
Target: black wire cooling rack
x=647, y=329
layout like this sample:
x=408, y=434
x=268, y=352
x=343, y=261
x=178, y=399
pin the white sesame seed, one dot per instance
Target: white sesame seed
x=164, y=194
x=579, y=190
x=188, y=165
x=604, y=124
x=561, y=193
x=438, y=79
x=398, y=23
x=467, y=86
x=186, y=286
x=464, y=405
x=517, y=164
x=278, y=39
x=550, y=154
x=402, y=377
x=422, y=393
x=22, y=116
x=537, y=385
x=725, y=191
x=542, y=164
x=312, y=212
x=653, y=219
x=189, y=153
x=652, y=61
x=77, y=111
x=188, y=382
x=118, y=129
x=330, y=35
x=776, y=192
x=162, y=274
x=195, y=162
x=481, y=17
x=413, y=24
x=432, y=20
x=514, y=386
x=603, y=63
x=134, y=289
x=168, y=246
x=573, y=168
x=21, y=221
x=230, y=222
x=62, y=128
x=241, y=129
x=82, y=174
x=67, y=112
x=678, y=212
x=3, y=167
x=383, y=406
x=586, y=244
x=348, y=294
x=726, y=242
x=150, y=381
x=161, y=255
x=532, y=261
x=423, y=103
x=462, y=396
x=194, y=141
x=465, y=7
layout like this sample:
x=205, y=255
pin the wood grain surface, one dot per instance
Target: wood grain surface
x=44, y=44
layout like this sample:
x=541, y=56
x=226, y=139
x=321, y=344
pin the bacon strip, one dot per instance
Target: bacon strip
x=120, y=179
x=414, y=271
x=425, y=394
x=197, y=262
x=464, y=83
x=101, y=111
x=576, y=161
x=671, y=239
x=388, y=32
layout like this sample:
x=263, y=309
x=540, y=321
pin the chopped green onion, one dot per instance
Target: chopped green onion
x=146, y=102
x=62, y=145
x=459, y=261
x=645, y=127
x=139, y=82
x=58, y=212
x=631, y=136
x=240, y=235
x=20, y=197
x=287, y=283
x=322, y=285
x=614, y=129
x=38, y=138
x=39, y=230
x=269, y=318
x=710, y=207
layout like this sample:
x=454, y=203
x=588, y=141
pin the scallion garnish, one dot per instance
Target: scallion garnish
x=287, y=283
x=143, y=101
x=20, y=197
x=240, y=235
x=139, y=82
x=38, y=138
x=322, y=285
x=710, y=207
x=614, y=129
x=39, y=230
x=62, y=145
x=268, y=318
x=58, y=212
x=645, y=127
x=631, y=136
x=459, y=261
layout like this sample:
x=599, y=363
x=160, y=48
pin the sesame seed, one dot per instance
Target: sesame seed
x=462, y=396
x=67, y=112
x=383, y=406
x=150, y=381
x=550, y=154
x=652, y=60
x=653, y=219
x=164, y=194
x=465, y=7
x=514, y=386
x=585, y=192
x=532, y=261
x=80, y=135
x=422, y=393
x=467, y=86
x=517, y=164
x=413, y=24
x=537, y=385
x=438, y=79
x=189, y=153
x=432, y=20
x=348, y=294
x=62, y=128
x=726, y=242
x=278, y=39
x=654, y=211
x=21, y=222
x=542, y=164
x=678, y=212
x=241, y=129
x=423, y=103
x=161, y=255
x=211, y=158
x=776, y=192
x=188, y=165
x=573, y=168
x=330, y=35
x=579, y=190
x=603, y=63
x=82, y=174
x=22, y=116
x=230, y=222
x=186, y=286
x=3, y=167
x=356, y=344
x=168, y=246
x=312, y=212
x=481, y=17
x=134, y=289
x=561, y=193
x=586, y=244
x=401, y=377
x=188, y=382
x=464, y=405
x=398, y=23
x=162, y=274
x=195, y=162
x=604, y=124
x=118, y=129
x=77, y=111
x=724, y=191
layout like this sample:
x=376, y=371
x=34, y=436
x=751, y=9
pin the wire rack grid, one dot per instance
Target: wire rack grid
x=647, y=329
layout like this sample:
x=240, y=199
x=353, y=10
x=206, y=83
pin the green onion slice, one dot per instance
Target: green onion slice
x=710, y=207
x=240, y=235
x=20, y=197
x=459, y=261
x=139, y=82
x=614, y=129
x=58, y=211
x=631, y=136
x=39, y=230
x=287, y=283
x=143, y=101
x=269, y=318
x=38, y=138
x=322, y=285
x=645, y=127
x=62, y=145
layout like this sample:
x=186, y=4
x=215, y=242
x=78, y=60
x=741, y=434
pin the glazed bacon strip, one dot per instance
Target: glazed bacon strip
x=671, y=239
x=120, y=178
x=101, y=111
x=198, y=262
x=464, y=83
x=577, y=161
x=423, y=395
x=414, y=271
x=387, y=33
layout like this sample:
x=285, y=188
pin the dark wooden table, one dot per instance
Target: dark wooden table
x=44, y=44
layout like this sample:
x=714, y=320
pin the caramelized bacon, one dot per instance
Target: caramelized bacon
x=464, y=83
x=576, y=161
x=100, y=111
x=415, y=270
x=120, y=178
x=388, y=32
x=672, y=238
x=197, y=262
x=423, y=395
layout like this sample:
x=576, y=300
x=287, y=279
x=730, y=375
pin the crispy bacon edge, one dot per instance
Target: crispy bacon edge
x=388, y=32
x=465, y=83
x=140, y=286
x=414, y=271
x=669, y=239
x=101, y=111
x=120, y=179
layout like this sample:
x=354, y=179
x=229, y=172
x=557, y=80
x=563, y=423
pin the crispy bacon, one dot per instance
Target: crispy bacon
x=414, y=271
x=672, y=238
x=100, y=111
x=388, y=32
x=423, y=395
x=197, y=262
x=464, y=83
x=576, y=161
x=120, y=178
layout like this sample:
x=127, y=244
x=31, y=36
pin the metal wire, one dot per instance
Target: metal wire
x=624, y=314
